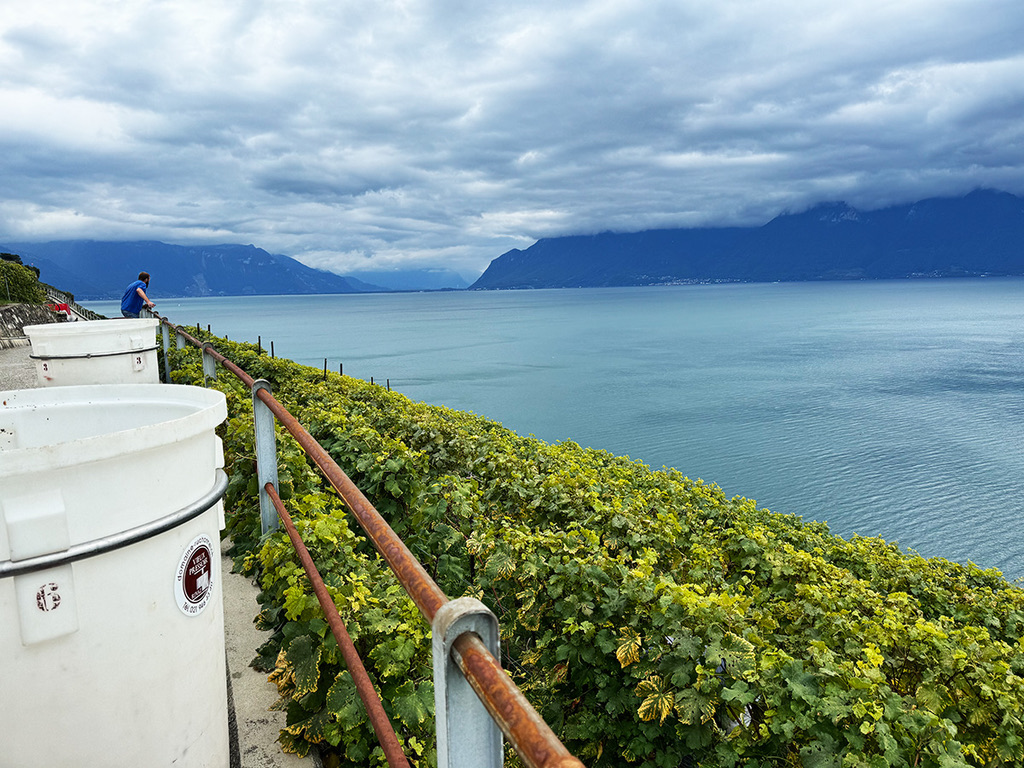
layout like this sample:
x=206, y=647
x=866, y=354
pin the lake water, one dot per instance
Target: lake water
x=892, y=409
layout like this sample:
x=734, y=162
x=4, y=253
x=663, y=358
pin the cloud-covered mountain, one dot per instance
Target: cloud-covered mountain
x=94, y=270
x=979, y=234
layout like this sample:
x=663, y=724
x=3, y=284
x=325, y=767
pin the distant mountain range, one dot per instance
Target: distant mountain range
x=97, y=270
x=94, y=270
x=979, y=234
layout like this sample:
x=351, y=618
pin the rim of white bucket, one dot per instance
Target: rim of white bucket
x=89, y=327
x=210, y=404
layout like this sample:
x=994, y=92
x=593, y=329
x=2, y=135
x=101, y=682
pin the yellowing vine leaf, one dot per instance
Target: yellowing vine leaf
x=658, y=701
x=628, y=651
x=283, y=675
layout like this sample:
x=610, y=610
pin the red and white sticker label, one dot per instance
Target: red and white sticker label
x=193, y=580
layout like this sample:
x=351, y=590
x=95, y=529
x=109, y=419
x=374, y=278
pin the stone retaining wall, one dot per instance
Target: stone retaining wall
x=14, y=317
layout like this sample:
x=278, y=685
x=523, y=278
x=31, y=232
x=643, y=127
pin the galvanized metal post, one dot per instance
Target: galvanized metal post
x=167, y=348
x=181, y=341
x=209, y=363
x=266, y=454
x=467, y=736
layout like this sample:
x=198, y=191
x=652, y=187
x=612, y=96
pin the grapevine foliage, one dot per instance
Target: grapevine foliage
x=651, y=620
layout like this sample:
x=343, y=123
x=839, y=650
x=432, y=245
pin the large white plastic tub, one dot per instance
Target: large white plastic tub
x=95, y=352
x=114, y=659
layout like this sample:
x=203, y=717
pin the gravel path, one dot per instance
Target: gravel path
x=17, y=371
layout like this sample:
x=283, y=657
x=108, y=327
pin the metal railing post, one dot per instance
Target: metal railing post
x=209, y=362
x=180, y=340
x=266, y=454
x=167, y=348
x=467, y=736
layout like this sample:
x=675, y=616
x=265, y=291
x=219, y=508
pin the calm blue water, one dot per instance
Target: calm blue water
x=892, y=409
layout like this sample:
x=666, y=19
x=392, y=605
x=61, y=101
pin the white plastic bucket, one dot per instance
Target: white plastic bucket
x=95, y=352
x=112, y=648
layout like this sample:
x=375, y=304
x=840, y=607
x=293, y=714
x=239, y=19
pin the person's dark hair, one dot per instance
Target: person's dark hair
x=144, y=276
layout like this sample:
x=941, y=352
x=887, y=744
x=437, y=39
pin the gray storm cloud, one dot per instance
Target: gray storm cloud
x=361, y=135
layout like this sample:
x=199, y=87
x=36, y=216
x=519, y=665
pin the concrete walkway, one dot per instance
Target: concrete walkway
x=17, y=371
x=249, y=693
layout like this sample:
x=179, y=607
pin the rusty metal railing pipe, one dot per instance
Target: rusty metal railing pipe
x=531, y=737
x=411, y=574
x=424, y=592
x=379, y=720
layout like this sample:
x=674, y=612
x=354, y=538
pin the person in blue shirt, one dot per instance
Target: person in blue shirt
x=135, y=296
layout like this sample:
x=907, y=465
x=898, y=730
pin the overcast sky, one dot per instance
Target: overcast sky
x=362, y=135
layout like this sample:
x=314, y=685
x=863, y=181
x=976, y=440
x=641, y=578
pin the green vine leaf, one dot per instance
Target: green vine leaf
x=694, y=707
